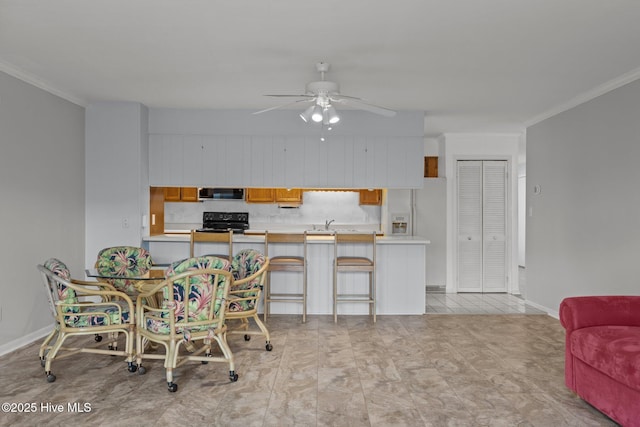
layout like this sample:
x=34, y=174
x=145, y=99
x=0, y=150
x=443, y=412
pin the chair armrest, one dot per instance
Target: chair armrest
x=95, y=283
x=586, y=311
x=258, y=277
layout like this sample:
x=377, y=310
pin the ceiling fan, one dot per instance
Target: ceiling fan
x=323, y=95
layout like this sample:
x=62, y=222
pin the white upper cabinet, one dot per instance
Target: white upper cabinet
x=234, y=148
x=315, y=164
x=278, y=161
x=222, y=161
x=193, y=166
x=166, y=155
x=259, y=165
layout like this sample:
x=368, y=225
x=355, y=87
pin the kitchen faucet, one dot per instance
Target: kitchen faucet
x=327, y=223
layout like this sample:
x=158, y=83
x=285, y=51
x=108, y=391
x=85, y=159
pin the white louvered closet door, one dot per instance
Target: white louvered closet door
x=482, y=219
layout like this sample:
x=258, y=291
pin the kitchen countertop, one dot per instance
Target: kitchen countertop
x=314, y=237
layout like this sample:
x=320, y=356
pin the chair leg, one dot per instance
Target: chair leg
x=45, y=345
x=335, y=295
x=267, y=296
x=226, y=351
x=265, y=331
x=304, y=293
x=372, y=293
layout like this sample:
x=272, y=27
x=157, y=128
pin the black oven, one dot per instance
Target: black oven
x=213, y=222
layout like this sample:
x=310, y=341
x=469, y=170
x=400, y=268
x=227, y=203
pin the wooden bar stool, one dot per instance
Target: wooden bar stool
x=343, y=262
x=224, y=237
x=286, y=263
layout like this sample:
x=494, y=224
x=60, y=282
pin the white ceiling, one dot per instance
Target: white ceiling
x=470, y=65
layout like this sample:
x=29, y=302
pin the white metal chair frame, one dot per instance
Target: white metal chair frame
x=173, y=340
x=83, y=289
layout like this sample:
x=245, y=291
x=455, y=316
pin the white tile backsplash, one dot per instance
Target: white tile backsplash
x=318, y=206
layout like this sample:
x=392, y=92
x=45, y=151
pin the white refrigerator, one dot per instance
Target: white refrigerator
x=426, y=209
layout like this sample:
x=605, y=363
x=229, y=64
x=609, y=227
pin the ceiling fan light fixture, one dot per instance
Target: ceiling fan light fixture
x=306, y=114
x=317, y=114
x=332, y=115
x=325, y=116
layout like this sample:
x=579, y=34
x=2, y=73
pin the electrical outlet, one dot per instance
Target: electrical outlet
x=125, y=222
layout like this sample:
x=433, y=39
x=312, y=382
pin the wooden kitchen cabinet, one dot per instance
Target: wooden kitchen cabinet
x=260, y=195
x=180, y=194
x=189, y=194
x=291, y=195
x=371, y=197
x=430, y=167
x=156, y=210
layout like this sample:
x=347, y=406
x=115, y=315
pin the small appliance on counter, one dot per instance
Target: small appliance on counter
x=213, y=222
x=400, y=224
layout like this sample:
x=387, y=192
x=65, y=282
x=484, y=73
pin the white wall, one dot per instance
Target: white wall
x=117, y=182
x=583, y=237
x=42, y=193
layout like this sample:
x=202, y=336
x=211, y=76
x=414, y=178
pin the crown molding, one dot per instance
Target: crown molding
x=39, y=83
x=586, y=96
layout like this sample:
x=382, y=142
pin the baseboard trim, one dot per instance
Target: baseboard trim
x=25, y=340
x=550, y=312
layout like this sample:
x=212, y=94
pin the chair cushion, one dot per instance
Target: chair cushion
x=65, y=294
x=115, y=313
x=199, y=298
x=124, y=261
x=286, y=260
x=246, y=263
x=354, y=261
x=613, y=350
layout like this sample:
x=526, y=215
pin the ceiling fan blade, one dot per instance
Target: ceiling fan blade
x=362, y=105
x=282, y=106
x=293, y=96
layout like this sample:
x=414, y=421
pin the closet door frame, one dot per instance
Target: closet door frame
x=508, y=225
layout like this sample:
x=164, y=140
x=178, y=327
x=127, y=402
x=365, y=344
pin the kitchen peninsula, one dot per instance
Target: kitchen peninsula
x=400, y=279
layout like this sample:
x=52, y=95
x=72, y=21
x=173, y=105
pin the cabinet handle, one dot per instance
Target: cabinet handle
x=153, y=219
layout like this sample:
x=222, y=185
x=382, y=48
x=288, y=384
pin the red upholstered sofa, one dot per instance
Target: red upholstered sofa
x=602, y=354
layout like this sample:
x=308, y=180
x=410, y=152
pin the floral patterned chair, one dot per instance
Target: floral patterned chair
x=249, y=269
x=124, y=260
x=75, y=313
x=192, y=310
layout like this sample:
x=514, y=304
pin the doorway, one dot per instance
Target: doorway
x=482, y=233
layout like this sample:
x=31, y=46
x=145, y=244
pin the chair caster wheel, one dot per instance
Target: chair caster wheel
x=247, y=337
x=132, y=367
x=173, y=387
x=142, y=370
x=51, y=378
x=233, y=376
x=269, y=347
x=204, y=362
x=98, y=338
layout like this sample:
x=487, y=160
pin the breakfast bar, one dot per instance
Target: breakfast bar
x=400, y=275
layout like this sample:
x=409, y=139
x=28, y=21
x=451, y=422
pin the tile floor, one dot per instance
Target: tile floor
x=437, y=302
x=430, y=370
x=470, y=303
